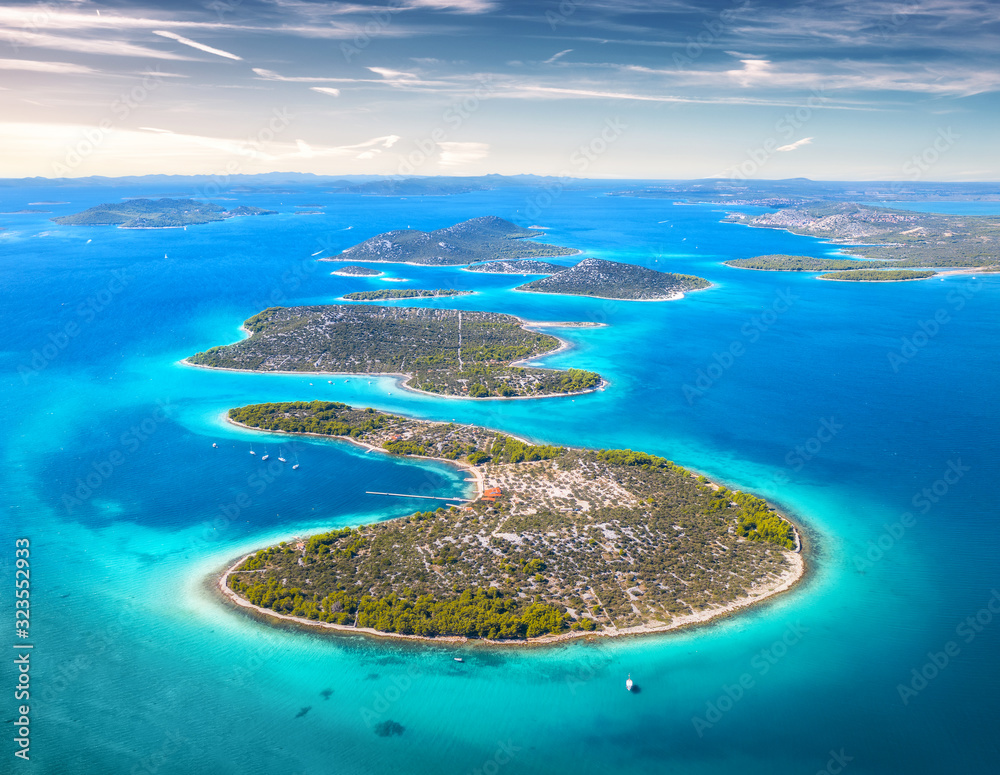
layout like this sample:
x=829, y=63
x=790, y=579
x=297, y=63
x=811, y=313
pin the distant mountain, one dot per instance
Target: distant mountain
x=468, y=242
x=613, y=280
x=156, y=214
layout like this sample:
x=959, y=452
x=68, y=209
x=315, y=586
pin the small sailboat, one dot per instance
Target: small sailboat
x=266, y=455
x=459, y=659
x=295, y=467
x=628, y=683
x=251, y=450
x=214, y=445
x=281, y=459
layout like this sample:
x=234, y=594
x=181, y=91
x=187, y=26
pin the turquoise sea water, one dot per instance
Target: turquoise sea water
x=108, y=467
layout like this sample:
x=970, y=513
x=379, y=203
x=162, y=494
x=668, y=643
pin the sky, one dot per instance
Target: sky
x=667, y=89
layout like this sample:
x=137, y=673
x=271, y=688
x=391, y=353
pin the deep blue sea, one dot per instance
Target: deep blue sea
x=867, y=411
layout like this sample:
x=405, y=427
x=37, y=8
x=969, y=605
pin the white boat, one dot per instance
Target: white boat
x=266, y=454
x=251, y=450
x=459, y=659
x=281, y=459
x=628, y=683
x=214, y=445
x=295, y=467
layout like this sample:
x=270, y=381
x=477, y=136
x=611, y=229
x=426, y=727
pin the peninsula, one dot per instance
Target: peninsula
x=557, y=542
x=156, y=214
x=613, y=280
x=897, y=239
x=444, y=351
x=468, y=242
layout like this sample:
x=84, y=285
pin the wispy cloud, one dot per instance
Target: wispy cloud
x=459, y=6
x=194, y=44
x=796, y=144
x=455, y=154
x=59, y=68
x=554, y=57
x=84, y=45
x=326, y=90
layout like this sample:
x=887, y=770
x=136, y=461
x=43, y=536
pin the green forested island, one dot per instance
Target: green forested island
x=780, y=262
x=357, y=271
x=478, y=239
x=523, y=266
x=613, y=280
x=403, y=293
x=900, y=239
x=156, y=214
x=446, y=351
x=877, y=275
x=557, y=540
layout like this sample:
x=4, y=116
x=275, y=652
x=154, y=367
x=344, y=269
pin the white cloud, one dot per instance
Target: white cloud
x=270, y=75
x=554, y=57
x=60, y=68
x=326, y=90
x=796, y=144
x=459, y=6
x=194, y=44
x=85, y=45
x=754, y=70
x=454, y=154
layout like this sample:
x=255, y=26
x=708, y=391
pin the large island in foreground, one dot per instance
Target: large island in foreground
x=445, y=351
x=556, y=542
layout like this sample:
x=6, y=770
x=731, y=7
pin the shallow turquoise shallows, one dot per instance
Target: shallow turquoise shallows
x=108, y=467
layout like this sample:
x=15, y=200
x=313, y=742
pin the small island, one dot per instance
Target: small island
x=877, y=275
x=156, y=214
x=556, y=542
x=468, y=354
x=523, y=266
x=357, y=271
x=613, y=280
x=468, y=242
x=780, y=262
x=852, y=270
x=403, y=293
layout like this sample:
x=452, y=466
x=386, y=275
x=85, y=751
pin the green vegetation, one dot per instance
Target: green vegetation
x=156, y=214
x=566, y=539
x=877, y=275
x=894, y=238
x=613, y=280
x=357, y=271
x=402, y=293
x=474, y=240
x=785, y=263
x=526, y=266
x=444, y=351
